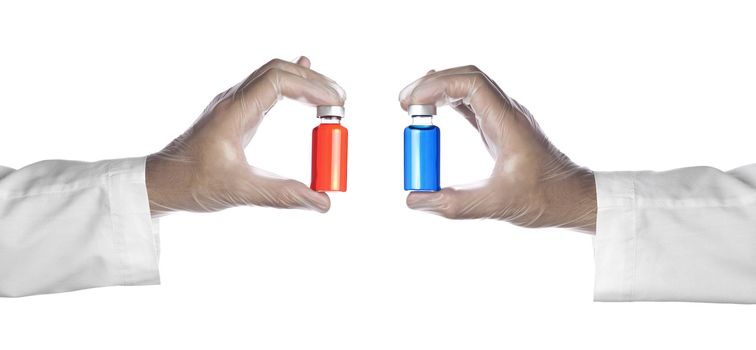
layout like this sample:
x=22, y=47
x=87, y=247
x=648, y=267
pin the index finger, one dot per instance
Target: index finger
x=261, y=94
x=466, y=85
x=300, y=67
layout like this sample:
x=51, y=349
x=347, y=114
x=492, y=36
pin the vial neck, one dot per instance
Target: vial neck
x=422, y=120
x=330, y=120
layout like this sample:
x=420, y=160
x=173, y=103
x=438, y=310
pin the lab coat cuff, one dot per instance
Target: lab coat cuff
x=135, y=233
x=614, y=244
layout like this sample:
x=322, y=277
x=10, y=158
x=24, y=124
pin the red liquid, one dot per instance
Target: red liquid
x=329, y=158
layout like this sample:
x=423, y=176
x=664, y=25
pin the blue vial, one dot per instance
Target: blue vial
x=422, y=156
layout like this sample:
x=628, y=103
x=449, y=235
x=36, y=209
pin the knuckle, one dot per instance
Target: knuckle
x=449, y=210
x=271, y=73
x=275, y=62
x=479, y=76
x=472, y=68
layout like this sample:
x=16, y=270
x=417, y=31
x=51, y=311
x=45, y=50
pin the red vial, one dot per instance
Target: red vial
x=329, y=151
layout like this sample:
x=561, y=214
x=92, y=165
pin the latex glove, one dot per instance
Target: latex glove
x=532, y=183
x=205, y=168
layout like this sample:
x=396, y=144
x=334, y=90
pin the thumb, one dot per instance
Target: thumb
x=452, y=203
x=286, y=194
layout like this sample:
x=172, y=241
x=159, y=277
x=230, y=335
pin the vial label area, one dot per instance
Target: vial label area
x=422, y=158
x=329, y=158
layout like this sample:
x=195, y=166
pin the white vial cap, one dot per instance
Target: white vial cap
x=421, y=110
x=331, y=111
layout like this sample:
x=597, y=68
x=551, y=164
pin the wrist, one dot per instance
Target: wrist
x=571, y=201
x=586, y=203
x=155, y=186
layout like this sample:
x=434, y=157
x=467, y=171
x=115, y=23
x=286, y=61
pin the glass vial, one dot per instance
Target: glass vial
x=422, y=156
x=329, y=151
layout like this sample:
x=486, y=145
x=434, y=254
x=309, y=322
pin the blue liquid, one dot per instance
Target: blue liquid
x=422, y=158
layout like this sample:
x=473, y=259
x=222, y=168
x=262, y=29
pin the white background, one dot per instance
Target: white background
x=643, y=85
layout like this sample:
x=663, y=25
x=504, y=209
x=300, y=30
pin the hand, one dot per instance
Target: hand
x=205, y=168
x=532, y=183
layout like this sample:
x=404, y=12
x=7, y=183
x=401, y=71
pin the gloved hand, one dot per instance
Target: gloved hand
x=532, y=183
x=205, y=168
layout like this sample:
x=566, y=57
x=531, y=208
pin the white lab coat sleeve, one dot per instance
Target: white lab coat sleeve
x=681, y=235
x=68, y=225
